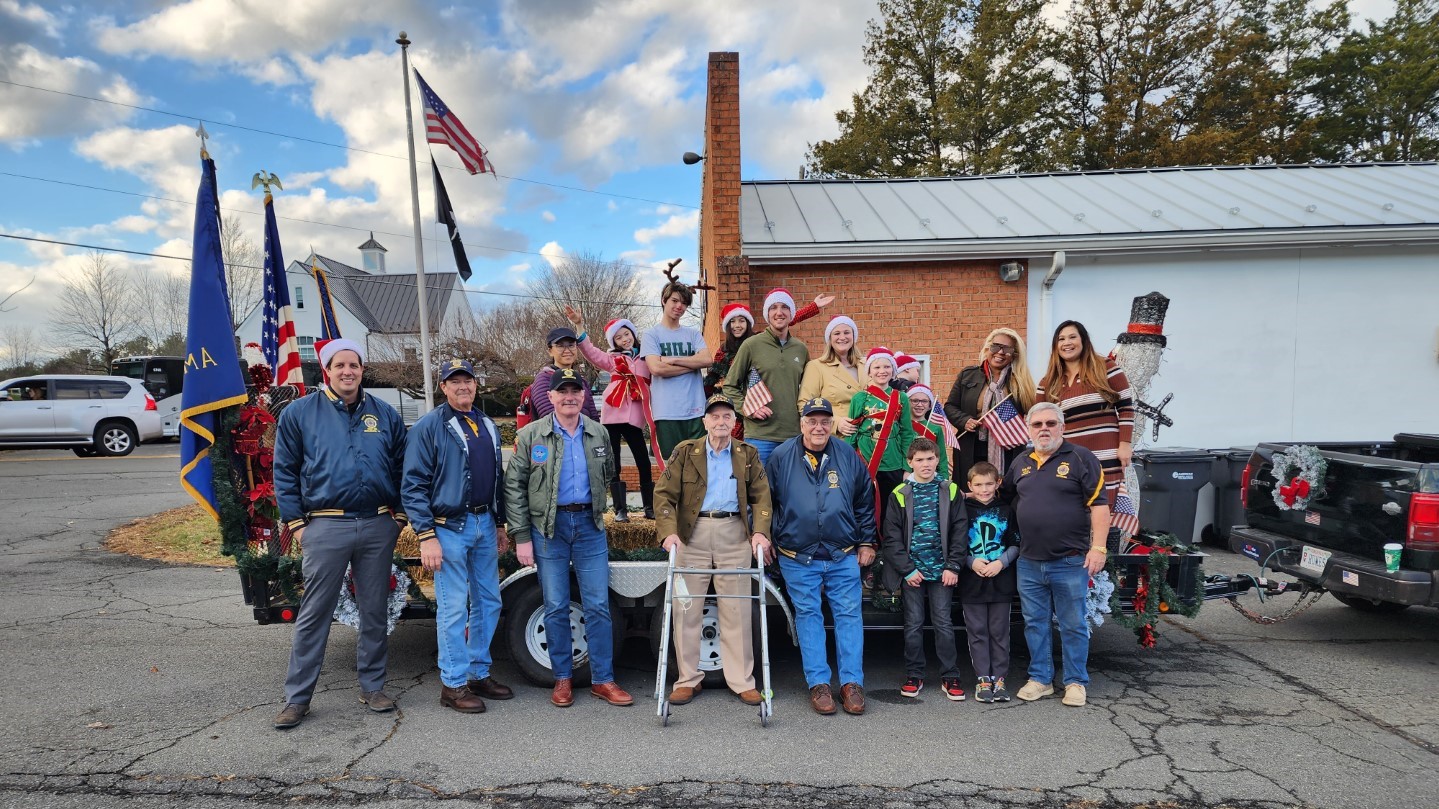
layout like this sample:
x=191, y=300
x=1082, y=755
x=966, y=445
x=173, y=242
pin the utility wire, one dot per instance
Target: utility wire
x=327, y=143
x=358, y=228
x=372, y=279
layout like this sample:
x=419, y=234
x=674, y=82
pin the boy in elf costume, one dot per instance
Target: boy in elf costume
x=886, y=426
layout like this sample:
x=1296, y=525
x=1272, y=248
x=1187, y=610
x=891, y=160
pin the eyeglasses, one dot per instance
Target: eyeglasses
x=1038, y=424
x=1001, y=348
x=566, y=346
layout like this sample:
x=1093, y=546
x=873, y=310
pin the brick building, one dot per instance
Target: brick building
x=1277, y=275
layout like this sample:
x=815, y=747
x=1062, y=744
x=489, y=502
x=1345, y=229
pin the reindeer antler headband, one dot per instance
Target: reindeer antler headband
x=674, y=280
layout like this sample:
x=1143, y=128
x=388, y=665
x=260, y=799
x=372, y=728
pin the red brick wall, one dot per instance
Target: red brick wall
x=940, y=308
x=719, y=253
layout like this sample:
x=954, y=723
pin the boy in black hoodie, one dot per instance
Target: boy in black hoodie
x=987, y=584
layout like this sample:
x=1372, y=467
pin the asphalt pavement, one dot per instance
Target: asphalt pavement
x=133, y=683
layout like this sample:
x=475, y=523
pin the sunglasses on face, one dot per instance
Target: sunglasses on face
x=1038, y=424
x=1000, y=348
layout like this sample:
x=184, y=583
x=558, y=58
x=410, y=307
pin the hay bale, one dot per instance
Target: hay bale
x=637, y=533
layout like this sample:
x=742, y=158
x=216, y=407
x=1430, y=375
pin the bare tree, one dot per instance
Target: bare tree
x=21, y=345
x=6, y=299
x=163, y=301
x=243, y=268
x=602, y=290
x=96, y=308
x=514, y=333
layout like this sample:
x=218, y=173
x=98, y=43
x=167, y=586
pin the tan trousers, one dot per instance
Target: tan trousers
x=716, y=544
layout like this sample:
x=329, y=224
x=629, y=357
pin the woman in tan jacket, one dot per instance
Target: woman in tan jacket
x=838, y=375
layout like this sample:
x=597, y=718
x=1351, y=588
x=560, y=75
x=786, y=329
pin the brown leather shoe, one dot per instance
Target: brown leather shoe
x=684, y=695
x=612, y=693
x=461, y=700
x=821, y=699
x=750, y=697
x=563, y=696
x=490, y=688
x=852, y=697
x=379, y=701
x=292, y=715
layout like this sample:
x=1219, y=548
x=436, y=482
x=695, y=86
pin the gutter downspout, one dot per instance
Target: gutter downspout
x=1046, y=293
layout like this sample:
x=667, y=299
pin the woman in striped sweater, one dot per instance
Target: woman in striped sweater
x=1094, y=396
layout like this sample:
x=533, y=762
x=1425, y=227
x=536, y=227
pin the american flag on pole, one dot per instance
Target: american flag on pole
x=277, y=323
x=756, y=394
x=443, y=127
x=1006, y=425
x=951, y=437
x=1125, y=515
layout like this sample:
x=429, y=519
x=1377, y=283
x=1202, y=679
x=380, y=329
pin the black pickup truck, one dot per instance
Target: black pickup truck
x=1372, y=494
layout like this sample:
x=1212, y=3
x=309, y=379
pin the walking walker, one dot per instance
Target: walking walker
x=756, y=573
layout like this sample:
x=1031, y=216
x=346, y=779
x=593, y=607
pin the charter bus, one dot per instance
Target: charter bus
x=163, y=378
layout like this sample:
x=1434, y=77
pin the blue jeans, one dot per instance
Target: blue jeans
x=577, y=541
x=764, y=447
x=838, y=580
x=467, y=598
x=1056, y=588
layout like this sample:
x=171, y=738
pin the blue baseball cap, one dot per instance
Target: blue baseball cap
x=816, y=405
x=453, y=367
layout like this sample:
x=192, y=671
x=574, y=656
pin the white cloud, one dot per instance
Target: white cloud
x=676, y=226
x=36, y=114
x=547, y=216
x=519, y=268
x=277, y=72
x=553, y=253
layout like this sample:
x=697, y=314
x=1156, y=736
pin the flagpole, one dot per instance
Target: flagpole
x=404, y=44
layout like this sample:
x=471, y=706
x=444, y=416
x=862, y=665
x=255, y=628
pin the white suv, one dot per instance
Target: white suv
x=93, y=415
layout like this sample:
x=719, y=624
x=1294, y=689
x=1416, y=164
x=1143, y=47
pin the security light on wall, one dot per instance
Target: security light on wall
x=690, y=158
x=1010, y=271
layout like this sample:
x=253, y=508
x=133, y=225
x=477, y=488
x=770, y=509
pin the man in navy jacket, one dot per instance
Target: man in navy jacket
x=824, y=529
x=454, y=492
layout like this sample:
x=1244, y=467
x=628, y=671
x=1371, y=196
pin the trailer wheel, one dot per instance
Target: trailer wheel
x=1372, y=605
x=711, y=665
x=528, y=646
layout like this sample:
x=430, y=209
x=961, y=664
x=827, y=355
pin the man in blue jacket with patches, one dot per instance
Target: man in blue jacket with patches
x=824, y=529
x=454, y=494
x=338, y=457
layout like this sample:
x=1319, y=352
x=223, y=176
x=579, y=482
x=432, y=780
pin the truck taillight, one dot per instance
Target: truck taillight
x=150, y=403
x=1244, y=484
x=1423, y=522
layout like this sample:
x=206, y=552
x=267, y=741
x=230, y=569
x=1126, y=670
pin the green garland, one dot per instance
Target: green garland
x=234, y=526
x=1156, y=589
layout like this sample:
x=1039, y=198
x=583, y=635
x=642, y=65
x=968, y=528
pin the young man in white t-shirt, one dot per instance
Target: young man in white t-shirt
x=676, y=356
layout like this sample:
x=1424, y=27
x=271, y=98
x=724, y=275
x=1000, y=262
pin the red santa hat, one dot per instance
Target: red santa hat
x=841, y=320
x=617, y=324
x=918, y=389
x=732, y=311
x=879, y=353
x=904, y=362
x=779, y=295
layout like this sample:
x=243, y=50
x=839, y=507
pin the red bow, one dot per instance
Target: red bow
x=1294, y=490
x=627, y=387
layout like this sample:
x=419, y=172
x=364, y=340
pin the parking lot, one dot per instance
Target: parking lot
x=128, y=679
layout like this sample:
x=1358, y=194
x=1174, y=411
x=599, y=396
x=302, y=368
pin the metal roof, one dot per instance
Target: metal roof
x=1094, y=211
x=386, y=303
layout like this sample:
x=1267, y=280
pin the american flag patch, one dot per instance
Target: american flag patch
x=756, y=394
x=1311, y=517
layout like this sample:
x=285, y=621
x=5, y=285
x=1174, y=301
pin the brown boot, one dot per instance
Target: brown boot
x=821, y=699
x=461, y=700
x=684, y=694
x=852, y=697
x=612, y=693
x=564, y=694
x=490, y=688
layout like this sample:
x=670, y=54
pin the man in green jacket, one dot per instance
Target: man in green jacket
x=554, y=498
x=771, y=361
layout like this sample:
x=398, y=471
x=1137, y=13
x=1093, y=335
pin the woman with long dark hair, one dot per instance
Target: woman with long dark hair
x=1002, y=371
x=1094, y=396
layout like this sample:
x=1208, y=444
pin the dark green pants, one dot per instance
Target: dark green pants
x=670, y=433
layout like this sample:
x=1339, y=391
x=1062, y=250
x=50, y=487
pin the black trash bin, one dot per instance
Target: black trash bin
x=1170, y=479
x=1226, y=476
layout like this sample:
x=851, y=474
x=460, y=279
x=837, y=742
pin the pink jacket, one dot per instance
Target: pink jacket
x=629, y=412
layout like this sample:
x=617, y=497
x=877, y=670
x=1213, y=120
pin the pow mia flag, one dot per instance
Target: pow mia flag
x=445, y=215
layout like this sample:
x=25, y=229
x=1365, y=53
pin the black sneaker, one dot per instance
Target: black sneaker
x=984, y=690
x=1000, y=694
x=911, y=687
x=953, y=690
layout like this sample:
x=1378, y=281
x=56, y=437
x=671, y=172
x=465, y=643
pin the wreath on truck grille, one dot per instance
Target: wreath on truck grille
x=1299, y=472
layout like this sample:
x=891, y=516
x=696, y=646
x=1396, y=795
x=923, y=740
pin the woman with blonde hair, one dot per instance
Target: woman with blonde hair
x=837, y=375
x=1001, y=372
x=1093, y=393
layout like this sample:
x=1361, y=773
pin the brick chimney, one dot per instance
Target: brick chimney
x=721, y=263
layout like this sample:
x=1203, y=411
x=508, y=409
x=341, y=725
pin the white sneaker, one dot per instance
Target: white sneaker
x=1074, y=695
x=1033, y=691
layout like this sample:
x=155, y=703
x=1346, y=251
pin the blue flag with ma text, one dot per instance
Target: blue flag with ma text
x=212, y=368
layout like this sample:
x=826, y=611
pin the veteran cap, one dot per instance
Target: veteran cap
x=718, y=400
x=567, y=376
x=453, y=367
x=816, y=405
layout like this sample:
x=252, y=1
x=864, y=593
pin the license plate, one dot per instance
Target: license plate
x=1314, y=559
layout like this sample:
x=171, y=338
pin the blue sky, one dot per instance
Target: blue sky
x=597, y=96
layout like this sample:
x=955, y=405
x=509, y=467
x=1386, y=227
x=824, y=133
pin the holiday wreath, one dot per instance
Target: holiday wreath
x=1153, y=596
x=1299, y=473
